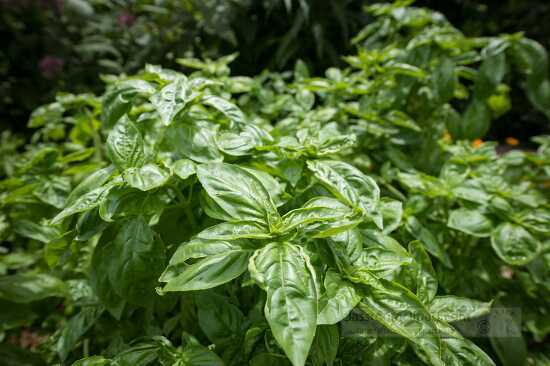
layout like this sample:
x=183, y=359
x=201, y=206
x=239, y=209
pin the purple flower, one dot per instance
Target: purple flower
x=51, y=66
x=126, y=19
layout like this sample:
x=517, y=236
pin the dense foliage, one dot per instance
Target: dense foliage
x=202, y=218
x=65, y=44
x=494, y=17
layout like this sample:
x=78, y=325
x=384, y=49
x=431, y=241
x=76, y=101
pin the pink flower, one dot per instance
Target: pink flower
x=126, y=19
x=51, y=66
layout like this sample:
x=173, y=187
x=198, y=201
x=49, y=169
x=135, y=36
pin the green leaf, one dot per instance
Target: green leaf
x=80, y=7
x=29, y=229
x=93, y=181
x=452, y=308
x=195, y=354
x=220, y=320
x=49, y=113
x=53, y=191
x=475, y=121
x=392, y=212
x=94, y=361
x=443, y=80
x=172, y=99
x=460, y=351
x=242, y=143
x=138, y=261
x=238, y=193
x=101, y=264
x=347, y=183
x=193, y=140
x=125, y=145
x=11, y=355
x=399, y=310
x=85, y=202
x=147, y=177
x=533, y=61
x=75, y=328
x=514, y=245
x=221, y=262
x=426, y=278
x=29, y=287
x=184, y=168
x=319, y=209
x=506, y=338
x=227, y=108
x=471, y=222
x=235, y=230
x=338, y=300
x=123, y=202
x=325, y=345
x=428, y=239
x=284, y=271
x=117, y=101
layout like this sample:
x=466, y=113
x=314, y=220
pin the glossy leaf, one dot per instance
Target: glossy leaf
x=221, y=262
x=338, y=300
x=452, y=308
x=471, y=222
x=426, y=278
x=240, y=194
x=138, y=260
x=347, y=183
x=514, y=245
x=29, y=287
x=125, y=145
x=284, y=271
x=401, y=311
x=147, y=177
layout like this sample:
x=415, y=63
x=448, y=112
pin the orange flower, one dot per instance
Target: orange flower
x=477, y=142
x=512, y=141
x=447, y=137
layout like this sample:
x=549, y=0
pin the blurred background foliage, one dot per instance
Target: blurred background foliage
x=63, y=45
x=494, y=17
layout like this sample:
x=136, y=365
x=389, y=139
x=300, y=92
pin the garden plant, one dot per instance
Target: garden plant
x=204, y=218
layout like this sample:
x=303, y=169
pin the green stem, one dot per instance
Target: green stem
x=86, y=347
x=96, y=138
x=190, y=217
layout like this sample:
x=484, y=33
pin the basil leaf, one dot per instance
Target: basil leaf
x=284, y=271
x=184, y=168
x=471, y=222
x=425, y=236
x=30, y=287
x=426, y=278
x=347, y=183
x=138, y=261
x=235, y=230
x=221, y=262
x=220, y=320
x=451, y=308
x=102, y=262
x=85, y=202
x=125, y=145
x=338, y=300
x=193, y=140
x=229, y=109
x=117, y=101
x=76, y=327
x=514, y=245
x=146, y=177
x=238, y=193
x=320, y=209
x=171, y=99
x=400, y=311
x=325, y=345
